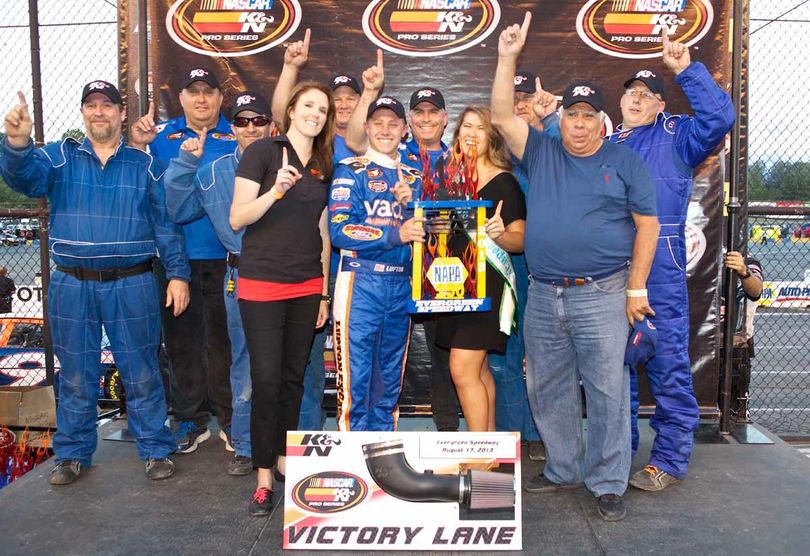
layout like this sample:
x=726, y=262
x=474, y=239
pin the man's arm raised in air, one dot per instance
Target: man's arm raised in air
x=514, y=130
x=373, y=81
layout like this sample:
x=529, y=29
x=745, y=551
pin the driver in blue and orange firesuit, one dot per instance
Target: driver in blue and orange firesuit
x=367, y=210
x=672, y=146
x=108, y=221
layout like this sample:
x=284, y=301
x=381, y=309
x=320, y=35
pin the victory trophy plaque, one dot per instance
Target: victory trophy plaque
x=445, y=280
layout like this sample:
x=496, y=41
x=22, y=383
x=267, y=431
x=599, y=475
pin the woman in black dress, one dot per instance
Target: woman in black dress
x=470, y=335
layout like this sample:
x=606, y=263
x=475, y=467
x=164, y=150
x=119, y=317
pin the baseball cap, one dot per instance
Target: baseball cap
x=201, y=74
x=387, y=102
x=583, y=91
x=524, y=82
x=344, y=80
x=427, y=94
x=651, y=79
x=641, y=343
x=103, y=87
x=249, y=100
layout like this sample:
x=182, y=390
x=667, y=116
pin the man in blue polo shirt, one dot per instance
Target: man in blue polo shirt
x=197, y=341
x=591, y=232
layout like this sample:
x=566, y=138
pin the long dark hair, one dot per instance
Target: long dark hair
x=322, y=146
x=497, y=155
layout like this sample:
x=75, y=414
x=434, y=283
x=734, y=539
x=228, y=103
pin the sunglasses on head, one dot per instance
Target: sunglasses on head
x=258, y=121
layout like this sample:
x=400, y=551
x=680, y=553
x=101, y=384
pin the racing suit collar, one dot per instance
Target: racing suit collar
x=381, y=159
x=87, y=147
x=223, y=126
x=660, y=117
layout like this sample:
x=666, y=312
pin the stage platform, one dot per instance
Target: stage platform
x=738, y=499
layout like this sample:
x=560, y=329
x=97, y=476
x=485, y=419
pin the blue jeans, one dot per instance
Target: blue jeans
x=512, y=411
x=130, y=312
x=240, y=372
x=312, y=416
x=573, y=334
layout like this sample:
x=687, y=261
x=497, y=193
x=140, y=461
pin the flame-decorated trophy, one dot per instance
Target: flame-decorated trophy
x=449, y=280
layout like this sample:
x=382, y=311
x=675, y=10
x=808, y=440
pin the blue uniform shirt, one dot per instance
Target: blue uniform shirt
x=192, y=193
x=201, y=240
x=341, y=150
x=579, y=220
x=101, y=217
x=409, y=154
x=364, y=216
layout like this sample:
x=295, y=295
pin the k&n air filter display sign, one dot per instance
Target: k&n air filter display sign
x=402, y=491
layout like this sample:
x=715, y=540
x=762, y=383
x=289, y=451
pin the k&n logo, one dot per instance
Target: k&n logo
x=318, y=444
x=520, y=79
x=645, y=74
x=244, y=99
x=425, y=93
x=100, y=85
x=341, y=79
x=198, y=73
x=582, y=91
x=385, y=100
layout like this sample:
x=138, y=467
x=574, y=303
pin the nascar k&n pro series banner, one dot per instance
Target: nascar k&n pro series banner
x=452, y=45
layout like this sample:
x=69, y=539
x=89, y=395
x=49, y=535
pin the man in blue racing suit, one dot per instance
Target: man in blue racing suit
x=108, y=221
x=367, y=223
x=672, y=147
x=193, y=191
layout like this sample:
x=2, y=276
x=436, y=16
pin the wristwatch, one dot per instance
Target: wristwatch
x=747, y=274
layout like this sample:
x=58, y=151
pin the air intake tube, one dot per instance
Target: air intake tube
x=476, y=489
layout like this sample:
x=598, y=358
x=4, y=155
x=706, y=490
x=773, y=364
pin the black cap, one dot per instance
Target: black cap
x=387, y=102
x=583, y=91
x=249, y=100
x=343, y=80
x=427, y=94
x=651, y=79
x=103, y=87
x=201, y=74
x=524, y=82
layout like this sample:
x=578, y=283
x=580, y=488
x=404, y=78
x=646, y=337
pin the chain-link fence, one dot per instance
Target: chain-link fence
x=77, y=44
x=779, y=174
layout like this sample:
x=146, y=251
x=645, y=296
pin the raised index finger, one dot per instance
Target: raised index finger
x=379, y=58
x=524, y=27
x=307, y=35
x=21, y=97
x=498, y=209
x=664, y=37
x=538, y=86
x=283, y=157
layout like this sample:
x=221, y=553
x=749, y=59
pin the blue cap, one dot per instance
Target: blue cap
x=641, y=343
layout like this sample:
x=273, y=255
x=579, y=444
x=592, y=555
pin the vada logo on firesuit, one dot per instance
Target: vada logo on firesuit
x=329, y=492
x=632, y=28
x=429, y=27
x=232, y=28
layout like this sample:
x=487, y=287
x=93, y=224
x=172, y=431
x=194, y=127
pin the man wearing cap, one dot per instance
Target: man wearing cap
x=672, y=147
x=579, y=306
x=428, y=119
x=193, y=191
x=108, y=221
x=197, y=342
x=367, y=209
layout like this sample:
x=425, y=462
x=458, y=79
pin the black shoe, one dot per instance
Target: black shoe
x=278, y=475
x=611, y=507
x=159, y=468
x=447, y=428
x=189, y=436
x=65, y=472
x=540, y=484
x=262, y=502
x=240, y=465
x=537, y=450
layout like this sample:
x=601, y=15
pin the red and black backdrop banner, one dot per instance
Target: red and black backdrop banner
x=452, y=45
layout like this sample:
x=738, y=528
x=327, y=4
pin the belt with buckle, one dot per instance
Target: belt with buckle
x=232, y=260
x=568, y=281
x=106, y=275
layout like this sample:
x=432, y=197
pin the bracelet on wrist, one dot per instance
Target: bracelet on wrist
x=327, y=298
x=747, y=274
x=277, y=195
x=637, y=293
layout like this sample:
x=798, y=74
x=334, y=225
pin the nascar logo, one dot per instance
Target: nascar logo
x=632, y=28
x=232, y=27
x=429, y=27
